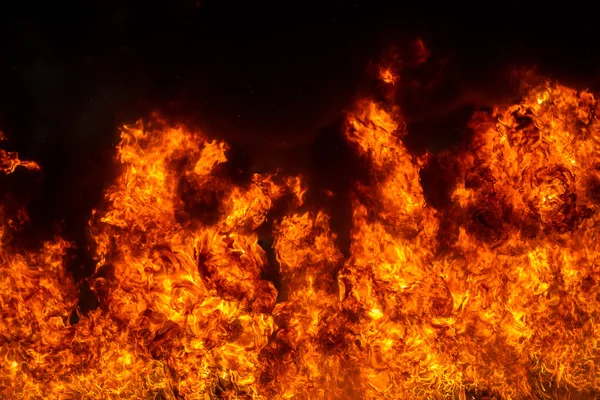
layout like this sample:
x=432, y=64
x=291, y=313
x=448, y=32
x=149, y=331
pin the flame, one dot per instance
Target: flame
x=387, y=76
x=529, y=206
x=37, y=296
x=495, y=296
x=9, y=161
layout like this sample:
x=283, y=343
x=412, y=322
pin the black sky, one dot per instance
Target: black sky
x=271, y=79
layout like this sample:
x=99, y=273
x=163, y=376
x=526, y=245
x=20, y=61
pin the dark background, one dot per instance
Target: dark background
x=273, y=80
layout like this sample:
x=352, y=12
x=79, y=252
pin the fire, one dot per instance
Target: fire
x=387, y=76
x=496, y=295
x=530, y=194
x=9, y=161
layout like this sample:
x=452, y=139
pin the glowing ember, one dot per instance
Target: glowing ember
x=508, y=309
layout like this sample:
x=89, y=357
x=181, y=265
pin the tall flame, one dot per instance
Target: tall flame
x=502, y=302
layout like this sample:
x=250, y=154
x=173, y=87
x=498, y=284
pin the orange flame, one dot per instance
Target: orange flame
x=507, y=309
x=9, y=161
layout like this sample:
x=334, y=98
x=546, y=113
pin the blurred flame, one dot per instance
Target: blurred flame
x=387, y=75
x=506, y=308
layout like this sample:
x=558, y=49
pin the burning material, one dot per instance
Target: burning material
x=503, y=302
